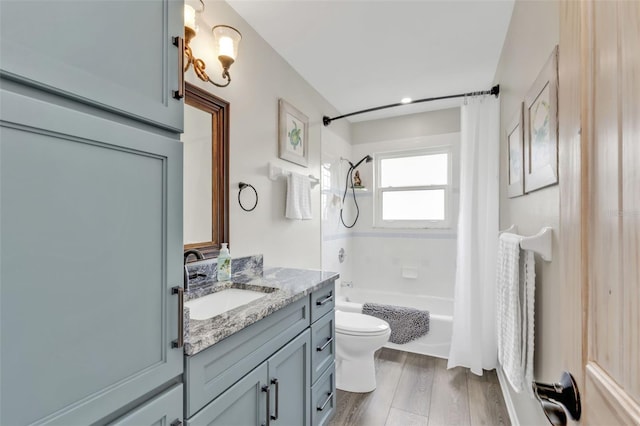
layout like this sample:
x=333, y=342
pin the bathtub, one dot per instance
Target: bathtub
x=435, y=343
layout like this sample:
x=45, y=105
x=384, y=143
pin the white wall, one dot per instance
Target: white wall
x=406, y=126
x=532, y=35
x=260, y=76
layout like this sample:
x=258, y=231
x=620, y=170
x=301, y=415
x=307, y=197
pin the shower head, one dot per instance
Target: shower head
x=366, y=158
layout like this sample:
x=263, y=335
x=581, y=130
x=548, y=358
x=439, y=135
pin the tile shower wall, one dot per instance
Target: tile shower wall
x=409, y=261
x=334, y=236
x=378, y=258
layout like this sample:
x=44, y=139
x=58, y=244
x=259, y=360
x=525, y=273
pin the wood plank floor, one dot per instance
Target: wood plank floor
x=418, y=390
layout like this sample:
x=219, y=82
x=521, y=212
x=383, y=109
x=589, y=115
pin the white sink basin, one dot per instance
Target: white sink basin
x=222, y=301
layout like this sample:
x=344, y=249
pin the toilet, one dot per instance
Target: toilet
x=358, y=336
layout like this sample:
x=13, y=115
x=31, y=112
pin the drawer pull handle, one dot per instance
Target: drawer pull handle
x=324, y=404
x=176, y=422
x=323, y=347
x=326, y=300
x=266, y=389
x=275, y=382
x=180, y=292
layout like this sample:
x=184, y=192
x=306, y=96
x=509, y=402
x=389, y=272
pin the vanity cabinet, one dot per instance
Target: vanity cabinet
x=280, y=385
x=90, y=213
x=267, y=369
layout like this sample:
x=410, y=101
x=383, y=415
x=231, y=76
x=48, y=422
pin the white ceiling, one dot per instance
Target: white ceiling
x=362, y=54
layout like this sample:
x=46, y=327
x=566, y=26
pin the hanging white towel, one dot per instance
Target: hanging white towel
x=530, y=294
x=298, y=204
x=509, y=323
x=515, y=312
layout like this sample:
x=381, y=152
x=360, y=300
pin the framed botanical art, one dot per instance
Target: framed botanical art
x=541, y=128
x=515, y=151
x=293, y=134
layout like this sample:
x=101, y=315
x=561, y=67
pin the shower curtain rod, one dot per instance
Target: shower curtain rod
x=495, y=90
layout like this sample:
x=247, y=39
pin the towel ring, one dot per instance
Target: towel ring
x=242, y=186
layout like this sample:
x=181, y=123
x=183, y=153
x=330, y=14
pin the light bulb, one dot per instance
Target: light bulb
x=189, y=17
x=225, y=47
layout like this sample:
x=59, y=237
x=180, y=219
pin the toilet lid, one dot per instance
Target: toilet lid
x=354, y=323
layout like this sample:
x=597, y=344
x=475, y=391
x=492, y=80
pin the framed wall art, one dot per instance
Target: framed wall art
x=515, y=154
x=541, y=128
x=293, y=134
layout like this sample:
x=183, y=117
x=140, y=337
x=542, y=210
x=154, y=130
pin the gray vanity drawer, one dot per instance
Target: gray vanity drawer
x=323, y=398
x=322, y=301
x=212, y=371
x=323, y=345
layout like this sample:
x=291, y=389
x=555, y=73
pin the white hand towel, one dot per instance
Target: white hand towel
x=298, y=197
x=508, y=313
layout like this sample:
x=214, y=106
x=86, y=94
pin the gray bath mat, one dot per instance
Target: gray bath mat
x=406, y=324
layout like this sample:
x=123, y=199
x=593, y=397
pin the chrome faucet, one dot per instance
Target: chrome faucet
x=197, y=253
x=199, y=256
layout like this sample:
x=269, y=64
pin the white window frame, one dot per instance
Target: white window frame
x=378, y=222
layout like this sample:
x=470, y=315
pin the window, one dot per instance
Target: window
x=412, y=188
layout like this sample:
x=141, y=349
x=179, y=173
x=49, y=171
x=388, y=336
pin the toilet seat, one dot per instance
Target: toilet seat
x=354, y=324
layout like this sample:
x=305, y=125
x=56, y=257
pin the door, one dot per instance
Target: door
x=243, y=404
x=600, y=204
x=116, y=55
x=290, y=380
x=91, y=243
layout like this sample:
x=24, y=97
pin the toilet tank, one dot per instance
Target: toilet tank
x=343, y=304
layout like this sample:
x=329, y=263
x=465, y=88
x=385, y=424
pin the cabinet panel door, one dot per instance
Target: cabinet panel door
x=91, y=244
x=117, y=55
x=243, y=404
x=290, y=381
x=163, y=410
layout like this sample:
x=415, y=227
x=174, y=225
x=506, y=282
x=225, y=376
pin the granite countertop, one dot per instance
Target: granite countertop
x=289, y=284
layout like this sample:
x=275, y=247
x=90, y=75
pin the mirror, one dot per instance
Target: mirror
x=206, y=178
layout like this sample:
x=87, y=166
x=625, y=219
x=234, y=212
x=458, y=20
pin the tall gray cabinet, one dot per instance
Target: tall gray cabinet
x=90, y=212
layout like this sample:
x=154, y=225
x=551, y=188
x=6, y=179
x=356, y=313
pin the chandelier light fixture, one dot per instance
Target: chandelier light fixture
x=226, y=41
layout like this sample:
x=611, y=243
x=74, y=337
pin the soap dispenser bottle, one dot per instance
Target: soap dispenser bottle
x=224, y=263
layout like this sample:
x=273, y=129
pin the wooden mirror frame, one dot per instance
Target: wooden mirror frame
x=219, y=110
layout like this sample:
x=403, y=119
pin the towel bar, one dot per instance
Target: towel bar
x=276, y=172
x=539, y=243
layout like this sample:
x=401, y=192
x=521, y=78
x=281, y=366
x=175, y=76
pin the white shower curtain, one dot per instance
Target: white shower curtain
x=474, y=343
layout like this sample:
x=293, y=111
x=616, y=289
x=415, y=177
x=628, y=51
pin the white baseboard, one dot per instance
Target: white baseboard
x=511, y=408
